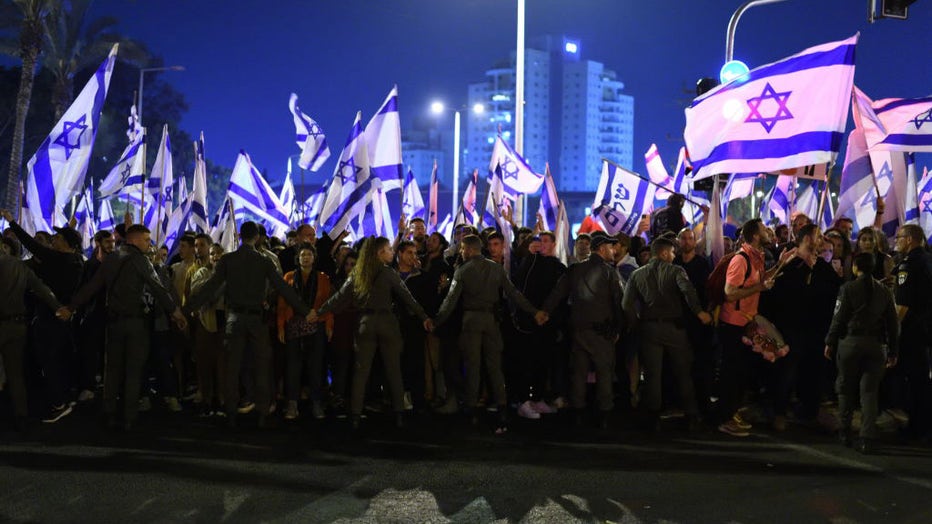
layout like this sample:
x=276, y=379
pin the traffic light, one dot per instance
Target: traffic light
x=898, y=9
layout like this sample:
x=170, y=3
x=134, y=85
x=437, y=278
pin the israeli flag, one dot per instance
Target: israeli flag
x=906, y=125
x=621, y=199
x=105, y=221
x=777, y=204
x=383, y=141
x=740, y=185
x=495, y=200
x=310, y=209
x=56, y=171
x=857, y=197
x=925, y=203
x=224, y=230
x=309, y=137
x=376, y=219
x=178, y=220
x=198, y=200
x=684, y=185
x=127, y=175
x=249, y=191
x=807, y=201
x=84, y=217
x=287, y=196
x=562, y=232
x=160, y=183
x=517, y=175
x=467, y=212
x=413, y=203
x=445, y=227
x=782, y=115
x=658, y=173
x=351, y=186
x=549, y=208
x=910, y=192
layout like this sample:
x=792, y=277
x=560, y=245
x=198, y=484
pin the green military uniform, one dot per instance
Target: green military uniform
x=480, y=282
x=246, y=273
x=377, y=329
x=125, y=273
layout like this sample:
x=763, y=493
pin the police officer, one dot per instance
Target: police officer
x=913, y=293
x=124, y=273
x=593, y=289
x=865, y=320
x=653, y=301
x=246, y=273
x=15, y=279
x=479, y=282
x=371, y=286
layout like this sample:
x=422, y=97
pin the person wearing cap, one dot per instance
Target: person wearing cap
x=653, y=301
x=59, y=267
x=594, y=292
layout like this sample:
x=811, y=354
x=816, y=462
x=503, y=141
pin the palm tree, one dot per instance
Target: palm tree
x=72, y=44
x=30, y=14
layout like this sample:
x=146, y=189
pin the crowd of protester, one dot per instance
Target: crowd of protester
x=634, y=326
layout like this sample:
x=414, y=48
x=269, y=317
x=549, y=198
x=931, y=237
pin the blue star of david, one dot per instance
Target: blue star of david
x=927, y=206
x=343, y=176
x=509, y=169
x=127, y=169
x=769, y=94
x=922, y=118
x=870, y=199
x=68, y=127
x=314, y=130
x=886, y=172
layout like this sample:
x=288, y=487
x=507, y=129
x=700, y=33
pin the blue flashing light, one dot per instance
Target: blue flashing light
x=732, y=70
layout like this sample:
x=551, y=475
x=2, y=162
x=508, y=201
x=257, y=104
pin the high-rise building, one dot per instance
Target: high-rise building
x=575, y=114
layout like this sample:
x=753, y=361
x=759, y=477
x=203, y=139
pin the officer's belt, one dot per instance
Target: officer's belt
x=245, y=310
x=375, y=311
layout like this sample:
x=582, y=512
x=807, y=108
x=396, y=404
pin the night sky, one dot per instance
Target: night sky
x=243, y=58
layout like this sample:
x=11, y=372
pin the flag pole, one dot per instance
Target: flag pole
x=818, y=218
x=303, y=206
x=233, y=217
x=651, y=181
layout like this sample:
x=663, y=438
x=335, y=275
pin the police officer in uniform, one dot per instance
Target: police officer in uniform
x=372, y=286
x=913, y=293
x=15, y=279
x=593, y=289
x=479, y=282
x=865, y=320
x=247, y=274
x=654, y=301
x=125, y=273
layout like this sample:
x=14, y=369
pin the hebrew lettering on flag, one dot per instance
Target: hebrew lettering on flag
x=621, y=199
x=56, y=172
x=782, y=115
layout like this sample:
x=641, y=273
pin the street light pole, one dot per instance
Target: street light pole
x=142, y=72
x=733, y=25
x=456, y=160
x=519, y=101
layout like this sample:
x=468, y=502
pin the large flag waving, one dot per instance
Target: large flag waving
x=309, y=137
x=905, y=125
x=350, y=188
x=549, y=208
x=248, y=190
x=383, y=141
x=105, y=221
x=160, y=183
x=782, y=115
x=127, y=174
x=517, y=175
x=56, y=172
x=621, y=199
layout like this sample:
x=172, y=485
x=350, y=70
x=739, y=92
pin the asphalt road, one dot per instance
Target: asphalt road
x=181, y=468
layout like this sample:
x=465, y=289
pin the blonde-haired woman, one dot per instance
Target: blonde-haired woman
x=372, y=287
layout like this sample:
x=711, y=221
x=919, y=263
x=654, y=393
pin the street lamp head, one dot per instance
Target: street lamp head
x=177, y=68
x=436, y=107
x=478, y=108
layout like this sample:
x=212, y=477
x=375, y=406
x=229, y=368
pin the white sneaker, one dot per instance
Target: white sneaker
x=85, y=395
x=407, y=399
x=291, y=412
x=527, y=411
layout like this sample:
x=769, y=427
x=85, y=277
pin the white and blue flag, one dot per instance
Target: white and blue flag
x=351, y=186
x=250, y=192
x=105, y=220
x=467, y=213
x=925, y=203
x=517, y=175
x=783, y=115
x=383, y=142
x=857, y=194
x=310, y=210
x=778, y=204
x=309, y=137
x=224, y=230
x=84, y=218
x=900, y=124
x=159, y=185
x=413, y=201
x=198, y=213
x=287, y=196
x=129, y=172
x=621, y=199
x=56, y=171
x=549, y=208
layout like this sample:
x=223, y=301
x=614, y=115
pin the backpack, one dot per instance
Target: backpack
x=715, y=286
